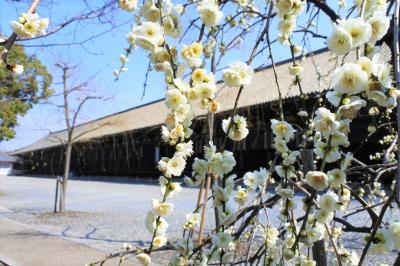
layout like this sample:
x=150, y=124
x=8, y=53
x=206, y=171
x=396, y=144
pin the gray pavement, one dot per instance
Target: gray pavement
x=103, y=215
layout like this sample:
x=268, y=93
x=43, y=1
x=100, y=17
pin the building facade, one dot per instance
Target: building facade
x=129, y=143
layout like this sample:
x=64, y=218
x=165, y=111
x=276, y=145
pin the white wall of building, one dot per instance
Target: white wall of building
x=5, y=168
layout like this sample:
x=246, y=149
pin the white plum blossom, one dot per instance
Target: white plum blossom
x=255, y=179
x=339, y=139
x=205, y=90
x=184, y=149
x=349, y=79
x=314, y=233
x=238, y=74
x=383, y=73
x=152, y=225
x=192, y=220
x=183, y=113
x=282, y=129
x=325, y=121
x=221, y=195
x=200, y=166
x=366, y=64
x=379, y=24
x=249, y=179
x=371, y=6
x=237, y=129
x=349, y=111
x=291, y=158
x=286, y=26
x=172, y=25
x=340, y=42
x=175, y=166
x=209, y=12
x=148, y=35
x=220, y=163
x=159, y=241
x=285, y=171
x=171, y=188
x=280, y=145
x=331, y=155
x=30, y=25
x=317, y=180
x=241, y=196
x=334, y=97
x=174, y=98
x=359, y=30
x=128, y=5
x=222, y=239
x=323, y=215
x=336, y=178
x=328, y=201
x=162, y=208
x=381, y=243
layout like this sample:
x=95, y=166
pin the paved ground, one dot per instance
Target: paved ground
x=25, y=246
x=101, y=215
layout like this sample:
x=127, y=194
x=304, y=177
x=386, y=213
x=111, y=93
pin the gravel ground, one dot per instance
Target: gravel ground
x=104, y=215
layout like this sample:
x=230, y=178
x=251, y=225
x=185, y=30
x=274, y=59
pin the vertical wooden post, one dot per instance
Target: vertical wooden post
x=202, y=185
x=56, y=195
x=318, y=249
x=204, y=210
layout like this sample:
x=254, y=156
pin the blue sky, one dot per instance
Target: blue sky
x=98, y=58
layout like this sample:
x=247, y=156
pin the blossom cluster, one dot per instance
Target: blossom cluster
x=156, y=22
x=355, y=32
x=288, y=11
x=30, y=25
x=364, y=82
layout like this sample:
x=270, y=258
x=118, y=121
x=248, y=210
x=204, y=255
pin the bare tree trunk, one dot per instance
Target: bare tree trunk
x=68, y=147
x=318, y=249
x=64, y=184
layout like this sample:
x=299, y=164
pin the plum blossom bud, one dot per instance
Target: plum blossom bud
x=288, y=254
x=371, y=129
x=296, y=70
x=346, y=101
x=180, y=9
x=296, y=49
x=126, y=246
x=123, y=58
x=302, y=113
x=373, y=111
x=144, y=259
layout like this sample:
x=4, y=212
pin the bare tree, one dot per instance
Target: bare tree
x=71, y=117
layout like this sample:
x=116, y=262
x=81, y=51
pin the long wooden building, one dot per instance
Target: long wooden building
x=128, y=143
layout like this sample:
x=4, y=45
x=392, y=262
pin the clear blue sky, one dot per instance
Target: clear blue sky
x=100, y=57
